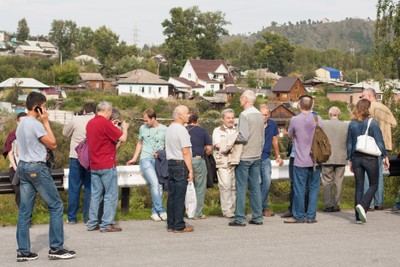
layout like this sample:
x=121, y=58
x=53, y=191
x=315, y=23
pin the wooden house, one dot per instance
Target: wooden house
x=288, y=89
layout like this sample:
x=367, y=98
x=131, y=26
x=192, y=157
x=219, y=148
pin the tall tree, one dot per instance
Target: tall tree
x=22, y=30
x=64, y=34
x=85, y=41
x=191, y=33
x=104, y=40
x=274, y=52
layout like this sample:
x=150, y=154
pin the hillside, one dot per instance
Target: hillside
x=342, y=35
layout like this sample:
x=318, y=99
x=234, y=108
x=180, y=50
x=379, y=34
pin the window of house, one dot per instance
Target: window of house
x=189, y=75
x=130, y=89
x=379, y=97
x=97, y=85
x=159, y=90
x=142, y=89
x=212, y=86
x=215, y=76
x=149, y=90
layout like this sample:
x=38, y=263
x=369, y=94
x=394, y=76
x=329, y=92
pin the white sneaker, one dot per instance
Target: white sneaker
x=163, y=216
x=361, y=213
x=155, y=217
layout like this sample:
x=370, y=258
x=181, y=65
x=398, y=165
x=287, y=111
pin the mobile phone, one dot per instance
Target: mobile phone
x=119, y=124
x=38, y=110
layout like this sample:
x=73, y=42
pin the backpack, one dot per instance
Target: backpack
x=82, y=149
x=321, y=147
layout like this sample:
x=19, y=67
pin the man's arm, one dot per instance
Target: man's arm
x=244, y=131
x=275, y=145
x=68, y=129
x=49, y=140
x=11, y=159
x=138, y=149
x=187, y=157
x=124, y=135
x=208, y=150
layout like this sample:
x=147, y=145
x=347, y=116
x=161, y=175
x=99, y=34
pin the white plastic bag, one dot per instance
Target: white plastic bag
x=190, y=200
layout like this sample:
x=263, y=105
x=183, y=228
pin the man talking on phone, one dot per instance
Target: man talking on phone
x=34, y=136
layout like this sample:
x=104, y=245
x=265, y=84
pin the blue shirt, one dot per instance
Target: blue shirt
x=199, y=138
x=270, y=131
x=357, y=128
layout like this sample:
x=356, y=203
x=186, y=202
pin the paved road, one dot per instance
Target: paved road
x=334, y=241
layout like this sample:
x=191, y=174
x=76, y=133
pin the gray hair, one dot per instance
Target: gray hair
x=263, y=106
x=178, y=111
x=104, y=106
x=250, y=96
x=225, y=111
x=334, y=112
x=370, y=91
x=115, y=114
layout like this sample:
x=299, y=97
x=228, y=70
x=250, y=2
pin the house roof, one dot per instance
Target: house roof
x=230, y=90
x=187, y=82
x=284, y=84
x=86, y=58
x=41, y=44
x=203, y=67
x=91, y=76
x=335, y=74
x=141, y=76
x=31, y=48
x=263, y=74
x=23, y=82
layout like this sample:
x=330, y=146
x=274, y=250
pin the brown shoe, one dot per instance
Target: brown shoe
x=111, y=228
x=187, y=229
x=379, y=207
x=293, y=220
x=287, y=214
x=371, y=209
x=268, y=213
x=96, y=228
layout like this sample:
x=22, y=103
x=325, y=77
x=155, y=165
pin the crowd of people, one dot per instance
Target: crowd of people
x=171, y=157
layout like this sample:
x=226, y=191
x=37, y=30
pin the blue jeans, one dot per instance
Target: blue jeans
x=177, y=184
x=363, y=163
x=36, y=177
x=266, y=172
x=148, y=168
x=248, y=172
x=200, y=183
x=397, y=203
x=77, y=177
x=378, y=199
x=305, y=177
x=104, y=183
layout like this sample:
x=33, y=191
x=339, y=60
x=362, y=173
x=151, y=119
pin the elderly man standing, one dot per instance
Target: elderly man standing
x=201, y=145
x=180, y=170
x=270, y=140
x=227, y=157
x=301, y=129
x=386, y=122
x=102, y=137
x=333, y=169
x=78, y=175
x=251, y=135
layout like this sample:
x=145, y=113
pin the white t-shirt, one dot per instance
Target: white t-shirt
x=176, y=138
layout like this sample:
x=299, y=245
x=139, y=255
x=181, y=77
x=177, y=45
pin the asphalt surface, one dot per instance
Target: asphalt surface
x=334, y=241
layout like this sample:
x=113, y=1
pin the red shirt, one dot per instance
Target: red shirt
x=102, y=137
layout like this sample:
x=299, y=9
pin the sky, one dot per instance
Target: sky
x=127, y=17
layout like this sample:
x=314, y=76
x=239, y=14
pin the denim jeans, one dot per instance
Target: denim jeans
x=77, y=177
x=305, y=177
x=266, y=172
x=148, y=168
x=397, y=203
x=104, y=184
x=363, y=163
x=177, y=184
x=36, y=177
x=200, y=183
x=248, y=172
x=378, y=199
x=291, y=175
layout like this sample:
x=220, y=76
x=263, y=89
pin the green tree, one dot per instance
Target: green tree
x=66, y=74
x=238, y=53
x=64, y=34
x=85, y=41
x=274, y=51
x=104, y=40
x=252, y=79
x=22, y=30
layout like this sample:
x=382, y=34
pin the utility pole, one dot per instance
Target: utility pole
x=135, y=35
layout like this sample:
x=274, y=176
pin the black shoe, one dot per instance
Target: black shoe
x=256, y=223
x=287, y=214
x=336, y=209
x=26, y=257
x=234, y=223
x=55, y=254
x=330, y=209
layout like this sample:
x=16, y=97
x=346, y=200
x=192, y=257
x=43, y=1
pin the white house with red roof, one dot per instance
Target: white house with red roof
x=202, y=75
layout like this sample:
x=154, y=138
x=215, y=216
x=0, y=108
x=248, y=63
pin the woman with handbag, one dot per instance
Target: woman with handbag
x=364, y=146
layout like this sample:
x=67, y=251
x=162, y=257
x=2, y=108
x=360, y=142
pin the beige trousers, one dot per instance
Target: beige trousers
x=227, y=189
x=332, y=180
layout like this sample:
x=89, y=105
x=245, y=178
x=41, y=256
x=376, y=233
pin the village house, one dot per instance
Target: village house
x=144, y=83
x=212, y=75
x=263, y=76
x=93, y=80
x=23, y=85
x=288, y=89
x=327, y=74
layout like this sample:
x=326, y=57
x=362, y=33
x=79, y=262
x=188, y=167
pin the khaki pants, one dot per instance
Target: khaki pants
x=332, y=179
x=227, y=189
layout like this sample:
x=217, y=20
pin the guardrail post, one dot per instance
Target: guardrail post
x=125, y=193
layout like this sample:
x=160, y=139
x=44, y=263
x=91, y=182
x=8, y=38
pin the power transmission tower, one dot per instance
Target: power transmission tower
x=135, y=35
